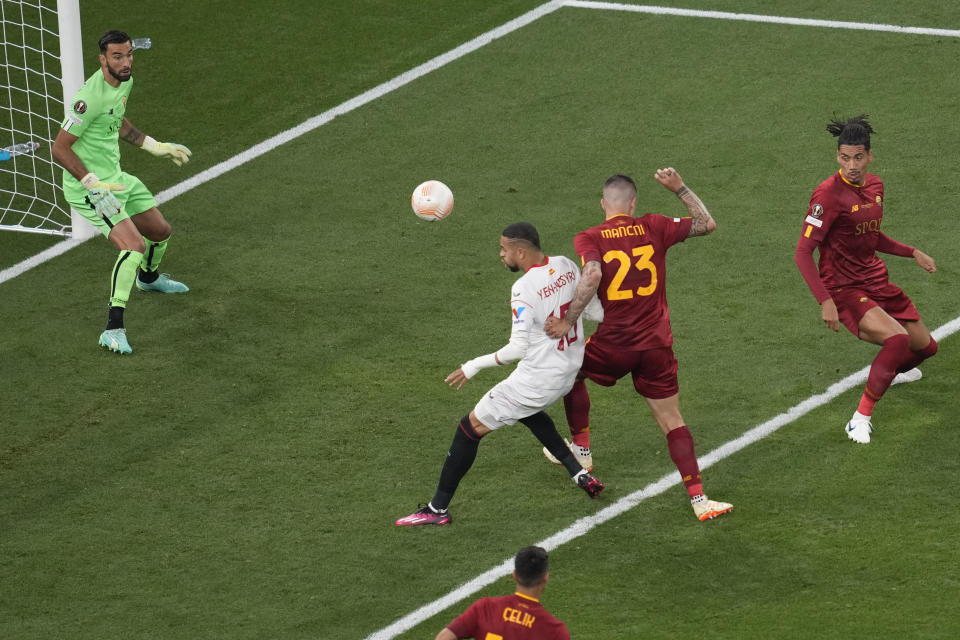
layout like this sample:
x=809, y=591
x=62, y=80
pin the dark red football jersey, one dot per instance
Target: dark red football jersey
x=632, y=254
x=844, y=220
x=513, y=617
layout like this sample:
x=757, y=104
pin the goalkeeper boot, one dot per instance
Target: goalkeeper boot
x=705, y=509
x=907, y=376
x=588, y=483
x=582, y=454
x=163, y=284
x=115, y=340
x=859, y=428
x=425, y=514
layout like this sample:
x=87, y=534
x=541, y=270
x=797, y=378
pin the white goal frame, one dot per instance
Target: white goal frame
x=71, y=79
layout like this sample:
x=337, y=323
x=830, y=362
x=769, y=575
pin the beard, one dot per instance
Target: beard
x=121, y=78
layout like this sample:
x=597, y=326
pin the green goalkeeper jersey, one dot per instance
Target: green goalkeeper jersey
x=95, y=117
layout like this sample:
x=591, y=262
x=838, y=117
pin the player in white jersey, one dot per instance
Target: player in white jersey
x=546, y=371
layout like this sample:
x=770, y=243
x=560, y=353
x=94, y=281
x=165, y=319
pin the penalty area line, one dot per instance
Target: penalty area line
x=583, y=525
x=753, y=17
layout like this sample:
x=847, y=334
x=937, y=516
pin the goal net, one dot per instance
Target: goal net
x=41, y=67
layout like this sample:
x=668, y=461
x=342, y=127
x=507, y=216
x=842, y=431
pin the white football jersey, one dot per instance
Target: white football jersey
x=549, y=365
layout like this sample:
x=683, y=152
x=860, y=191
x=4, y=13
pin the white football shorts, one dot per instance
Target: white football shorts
x=505, y=404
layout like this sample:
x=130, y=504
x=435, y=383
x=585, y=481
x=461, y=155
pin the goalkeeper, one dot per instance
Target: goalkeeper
x=116, y=203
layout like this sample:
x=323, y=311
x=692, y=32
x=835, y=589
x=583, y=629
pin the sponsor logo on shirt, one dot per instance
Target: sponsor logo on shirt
x=517, y=312
x=79, y=106
x=868, y=226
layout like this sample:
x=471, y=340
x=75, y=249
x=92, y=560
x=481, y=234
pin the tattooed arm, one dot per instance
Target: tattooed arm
x=586, y=289
x=703, y=222
x=131, y=134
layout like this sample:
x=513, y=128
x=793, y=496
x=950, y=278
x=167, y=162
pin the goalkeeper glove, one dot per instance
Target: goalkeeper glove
x=101, y=195
x=178, y=153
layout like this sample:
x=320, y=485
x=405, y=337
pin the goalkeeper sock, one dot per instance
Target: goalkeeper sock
x=146, y=277
x=115, y=318
x=151, y=259
x=460, y=457
x=121, y=280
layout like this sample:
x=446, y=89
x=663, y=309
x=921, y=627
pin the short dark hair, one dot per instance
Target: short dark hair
x=851, y=131
x=112, y=37
x=531, y=565
x=523, y=231
x=618, y=179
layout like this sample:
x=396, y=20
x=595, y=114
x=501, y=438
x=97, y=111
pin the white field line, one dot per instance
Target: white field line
x=752, y=17
x=624, y=504
x=432, y=65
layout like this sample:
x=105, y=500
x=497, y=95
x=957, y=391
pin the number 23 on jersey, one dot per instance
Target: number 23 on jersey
x=643, y=262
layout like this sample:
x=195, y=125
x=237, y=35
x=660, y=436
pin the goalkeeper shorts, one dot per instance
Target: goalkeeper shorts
x=136, y=198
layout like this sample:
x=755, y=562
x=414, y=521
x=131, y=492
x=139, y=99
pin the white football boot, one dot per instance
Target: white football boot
x=582, y=454
x=859, y=428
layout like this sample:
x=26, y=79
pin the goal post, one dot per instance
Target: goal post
x=41, y=69
x=71, y=78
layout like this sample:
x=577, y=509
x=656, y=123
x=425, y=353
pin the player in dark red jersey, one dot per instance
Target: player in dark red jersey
x=624, y=263
x=852, y=285
x=515, y=617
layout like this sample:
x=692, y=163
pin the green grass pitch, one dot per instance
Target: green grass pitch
x=238, y=475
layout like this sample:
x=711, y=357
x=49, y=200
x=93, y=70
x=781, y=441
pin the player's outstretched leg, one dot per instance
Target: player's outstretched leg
x=460, y=457
x=541, y=426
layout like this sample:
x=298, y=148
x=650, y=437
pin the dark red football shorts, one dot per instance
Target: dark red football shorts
x=853, y=303
x=654, y=371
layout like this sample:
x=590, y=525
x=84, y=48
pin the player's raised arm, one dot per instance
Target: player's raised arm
x=703, y=222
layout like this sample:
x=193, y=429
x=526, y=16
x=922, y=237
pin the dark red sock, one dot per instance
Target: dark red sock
x=577, y=406
x=680, y=443
x=919, y=356
x=895, y=353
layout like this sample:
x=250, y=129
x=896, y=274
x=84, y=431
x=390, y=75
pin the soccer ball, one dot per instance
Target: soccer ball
x=432, y=200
